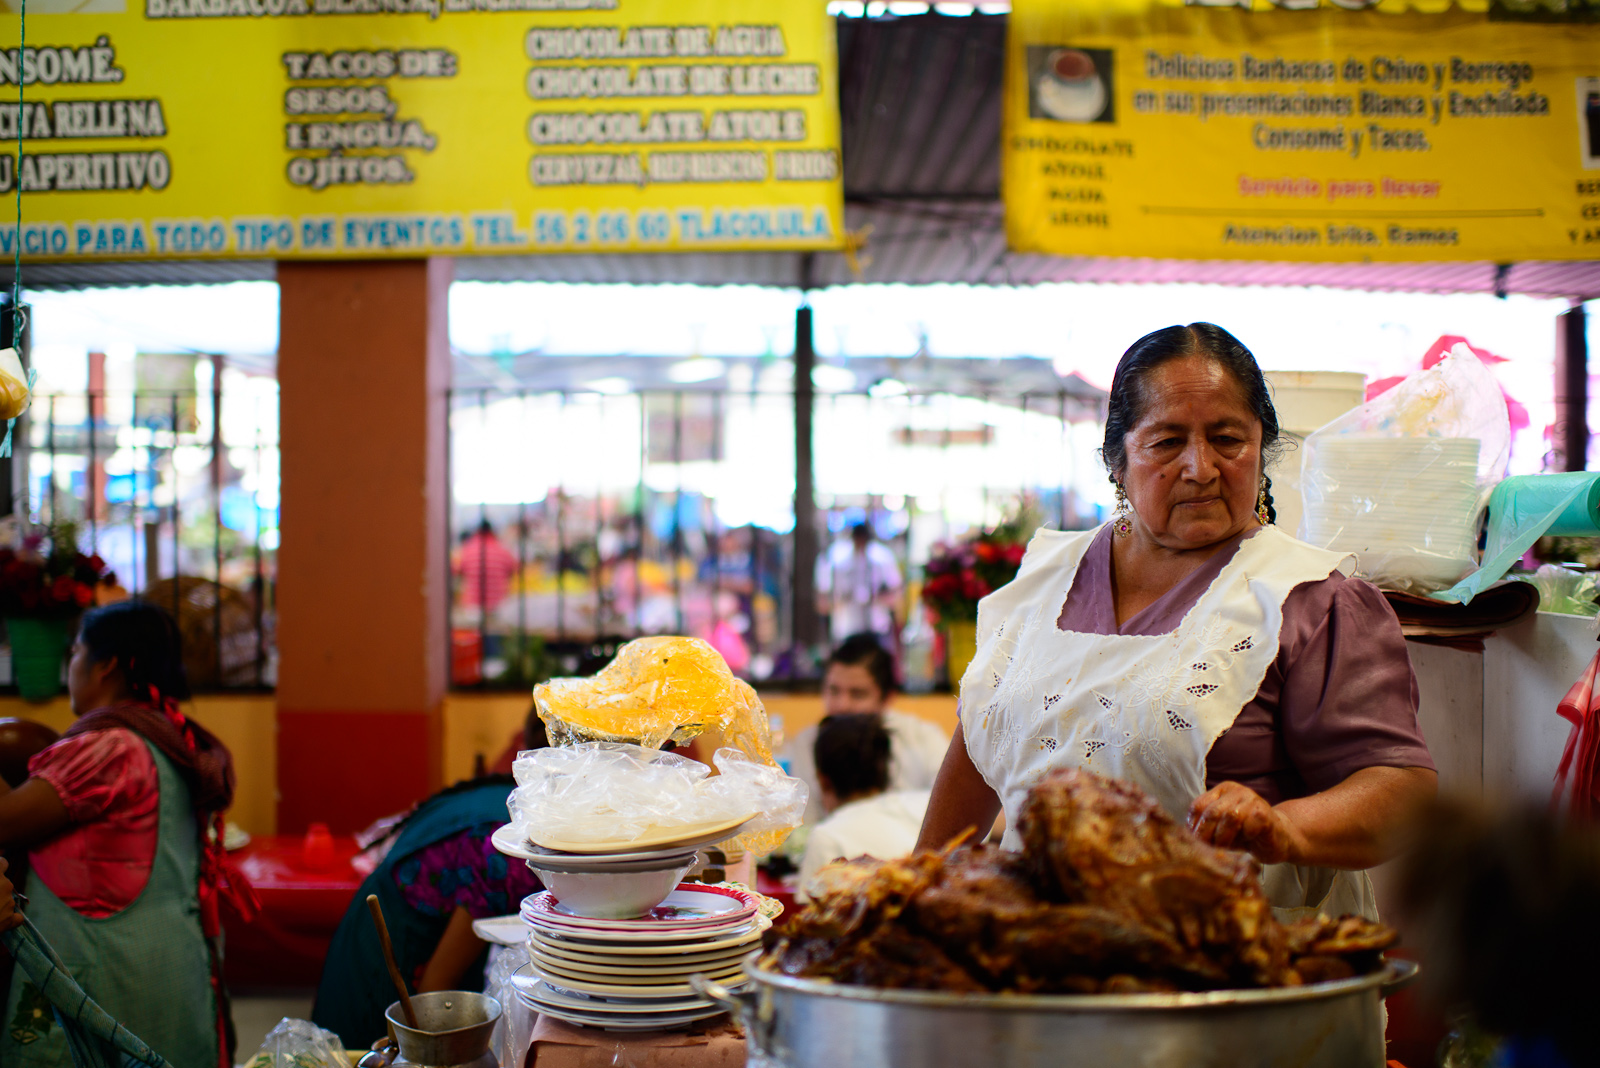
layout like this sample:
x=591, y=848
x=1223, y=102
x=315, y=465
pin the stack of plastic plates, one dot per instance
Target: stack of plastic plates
x=1405, y=506
x=633, y=975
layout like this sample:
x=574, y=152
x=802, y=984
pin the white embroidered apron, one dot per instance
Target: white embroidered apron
x=1145, y=708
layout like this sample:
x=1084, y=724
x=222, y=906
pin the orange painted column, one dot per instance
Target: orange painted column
x=363, y=369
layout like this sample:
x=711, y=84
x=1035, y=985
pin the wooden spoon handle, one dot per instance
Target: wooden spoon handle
x=388, y=958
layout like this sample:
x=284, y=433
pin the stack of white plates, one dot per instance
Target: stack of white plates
x=1407, y=507
x=633, y=975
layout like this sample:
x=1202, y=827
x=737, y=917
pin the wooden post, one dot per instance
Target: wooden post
x=363, y=372
x=806, y=632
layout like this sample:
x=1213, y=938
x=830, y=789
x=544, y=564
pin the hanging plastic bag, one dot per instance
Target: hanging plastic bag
x=1402, y=480
x=299, y=1044
x=14, y=392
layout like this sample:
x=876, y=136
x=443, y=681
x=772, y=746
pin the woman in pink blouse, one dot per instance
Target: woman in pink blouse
x=122, y=820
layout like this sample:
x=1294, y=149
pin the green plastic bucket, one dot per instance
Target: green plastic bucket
x=37, y=649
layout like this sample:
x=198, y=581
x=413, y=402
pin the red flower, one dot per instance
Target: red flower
x=986, y=551
x=98, y=564
x=1013, y=554
x=974, y=587
x=62, y=588
x=83, y=595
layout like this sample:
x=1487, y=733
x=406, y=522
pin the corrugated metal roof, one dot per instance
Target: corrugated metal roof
x=146, y=273
x=1008, y=381
x=919, y=104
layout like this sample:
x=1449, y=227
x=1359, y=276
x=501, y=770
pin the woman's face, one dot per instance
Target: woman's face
x=90, y=684
x=80, y=677
x=1194, y=458
x=849, y=689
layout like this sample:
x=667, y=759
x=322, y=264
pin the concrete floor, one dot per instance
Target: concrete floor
x=256, y=1014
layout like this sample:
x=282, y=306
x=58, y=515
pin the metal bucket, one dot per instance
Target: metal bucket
x=803, y=1023
x=453, y=1027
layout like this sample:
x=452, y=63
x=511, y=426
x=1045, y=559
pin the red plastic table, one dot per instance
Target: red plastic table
x=302, y=900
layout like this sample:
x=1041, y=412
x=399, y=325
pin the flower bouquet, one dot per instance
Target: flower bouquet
x=45, y=582
x=956, y=577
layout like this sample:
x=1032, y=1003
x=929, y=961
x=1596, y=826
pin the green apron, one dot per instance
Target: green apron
x=148, y=965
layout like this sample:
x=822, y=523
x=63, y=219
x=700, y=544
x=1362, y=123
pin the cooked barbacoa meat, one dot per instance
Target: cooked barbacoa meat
x=1108, y=895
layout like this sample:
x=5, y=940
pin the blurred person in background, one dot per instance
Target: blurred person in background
x=123, y=822
x=436, y=872
x=1502, y=906
x=858, y=583
x=484, y=568
x=864, y=818
x=859, y=680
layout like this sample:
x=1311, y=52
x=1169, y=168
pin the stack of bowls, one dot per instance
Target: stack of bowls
x=1407, y=507
x=617, y=885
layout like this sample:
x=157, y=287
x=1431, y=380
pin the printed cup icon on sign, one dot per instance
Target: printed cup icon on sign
x=1589, y=122
x=1070, y=84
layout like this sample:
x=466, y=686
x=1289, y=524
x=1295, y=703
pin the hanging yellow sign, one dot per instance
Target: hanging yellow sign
x=1198, y=132
x=362, y=128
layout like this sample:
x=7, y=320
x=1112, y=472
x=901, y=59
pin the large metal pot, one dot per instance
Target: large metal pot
x=803, y=1023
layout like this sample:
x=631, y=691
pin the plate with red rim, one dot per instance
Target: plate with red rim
x=599, y=971
x=607, y=985
x=644, y=956
x=628, y=966
x=625, y=1023
x=622, y=1015
x=684, y=939
x=690, y=905
x=536, y=987
x=634, y=945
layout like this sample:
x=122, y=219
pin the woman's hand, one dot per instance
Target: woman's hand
x=1357, y=824
x=1233, y=816
x=9, y=916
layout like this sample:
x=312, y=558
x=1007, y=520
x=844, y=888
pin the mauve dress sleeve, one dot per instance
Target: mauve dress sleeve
x=1349, y=694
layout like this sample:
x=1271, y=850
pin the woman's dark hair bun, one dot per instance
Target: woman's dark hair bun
x=852, y=754
x=1127, y=402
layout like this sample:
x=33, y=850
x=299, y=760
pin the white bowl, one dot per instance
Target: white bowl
x=623, y=895
x=566, y=864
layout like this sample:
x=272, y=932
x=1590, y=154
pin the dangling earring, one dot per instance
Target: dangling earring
x=1263, y=516
x=1122, y=525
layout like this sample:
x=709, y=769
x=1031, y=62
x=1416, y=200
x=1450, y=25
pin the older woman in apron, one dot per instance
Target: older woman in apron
x=1241, y=677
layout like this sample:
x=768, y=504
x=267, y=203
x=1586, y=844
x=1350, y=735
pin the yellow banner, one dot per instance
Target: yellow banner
x=363, y=128
x=1192, y=132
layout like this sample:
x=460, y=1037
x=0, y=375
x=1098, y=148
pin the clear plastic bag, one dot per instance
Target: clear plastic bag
x=299, y=1044
x=1564, y=591
x=1402, y=480
x=614, y=792
x=514, y=1030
